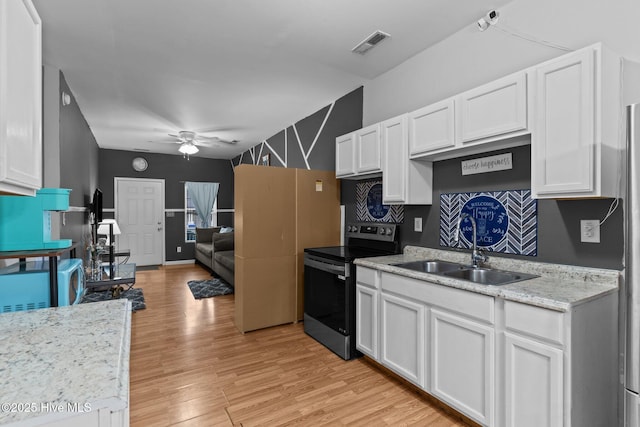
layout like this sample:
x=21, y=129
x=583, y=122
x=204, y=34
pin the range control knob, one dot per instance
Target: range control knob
x=389, y=231
x=382, y=231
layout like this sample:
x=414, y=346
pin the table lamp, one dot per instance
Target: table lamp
x=109, y=228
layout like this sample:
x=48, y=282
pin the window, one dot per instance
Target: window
x=191, y=220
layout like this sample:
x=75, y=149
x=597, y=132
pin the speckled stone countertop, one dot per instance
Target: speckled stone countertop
x=558, y=287
x=60, y=357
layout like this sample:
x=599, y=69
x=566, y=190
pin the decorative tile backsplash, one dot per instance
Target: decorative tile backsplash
x=369, y=207
x=507, y=221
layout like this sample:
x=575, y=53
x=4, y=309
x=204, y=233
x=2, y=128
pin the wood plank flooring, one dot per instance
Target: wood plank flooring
x=191, y=367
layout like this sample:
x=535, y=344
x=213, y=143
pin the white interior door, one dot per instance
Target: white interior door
x=140, y=215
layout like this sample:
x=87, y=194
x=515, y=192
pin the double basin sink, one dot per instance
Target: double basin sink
x=483, y=276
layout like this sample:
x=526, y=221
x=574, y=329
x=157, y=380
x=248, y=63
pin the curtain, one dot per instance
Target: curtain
x=203, y=195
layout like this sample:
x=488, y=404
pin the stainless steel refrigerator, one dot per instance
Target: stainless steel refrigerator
x=631, y=295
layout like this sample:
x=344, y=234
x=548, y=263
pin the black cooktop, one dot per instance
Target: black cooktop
x=347, y=253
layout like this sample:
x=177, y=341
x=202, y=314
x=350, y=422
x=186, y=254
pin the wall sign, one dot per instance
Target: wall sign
x=492, y=221
x=369, y=206
x=507, y=221
x=487, y=164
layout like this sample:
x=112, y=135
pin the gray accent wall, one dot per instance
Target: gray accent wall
x=558, y=220
x=345, y=116
x=175, y=170
x=70, y=157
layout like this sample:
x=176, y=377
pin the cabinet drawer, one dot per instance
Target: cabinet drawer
x=468, y=303
x=535, y=321
x=367, y=276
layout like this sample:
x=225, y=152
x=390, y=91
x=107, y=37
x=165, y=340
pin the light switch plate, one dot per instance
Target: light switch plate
x=590, y=230
x=417, y=224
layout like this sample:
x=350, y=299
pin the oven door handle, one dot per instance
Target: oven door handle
x=329, y=268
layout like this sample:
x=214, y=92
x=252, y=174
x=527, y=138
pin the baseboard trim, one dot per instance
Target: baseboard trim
x=180, y=262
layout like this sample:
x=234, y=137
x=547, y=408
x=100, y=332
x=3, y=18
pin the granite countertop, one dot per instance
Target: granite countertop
x=58, y=362
x=558, y=287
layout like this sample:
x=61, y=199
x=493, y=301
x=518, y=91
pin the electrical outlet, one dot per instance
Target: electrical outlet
x=590, y=230
x=417, y=224
x=179, y=249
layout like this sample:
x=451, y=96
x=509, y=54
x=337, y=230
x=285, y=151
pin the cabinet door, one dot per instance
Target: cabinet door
x=345, y=155
x=367, y=321
x=20, y=97
x=403, y=337
x=368, y=149
x=395, y=155
x=562, y=143
x=497, y=108
x=534, y=384
x=462, y=365
x=431, y=128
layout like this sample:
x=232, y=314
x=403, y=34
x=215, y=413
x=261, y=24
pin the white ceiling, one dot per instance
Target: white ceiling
x=235, y=69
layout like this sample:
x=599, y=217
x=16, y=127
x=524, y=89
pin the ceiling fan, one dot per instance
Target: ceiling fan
x=189, y=141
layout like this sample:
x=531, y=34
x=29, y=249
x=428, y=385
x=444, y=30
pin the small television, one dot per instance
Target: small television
x=96, y=206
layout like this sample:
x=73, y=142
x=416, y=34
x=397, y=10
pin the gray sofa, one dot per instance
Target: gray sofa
x=215, y=250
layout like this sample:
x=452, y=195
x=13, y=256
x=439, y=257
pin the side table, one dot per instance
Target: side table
x=122, y=278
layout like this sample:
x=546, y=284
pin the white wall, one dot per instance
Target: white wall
x=470, y=57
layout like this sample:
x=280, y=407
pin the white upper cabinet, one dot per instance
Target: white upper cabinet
x=345, y=155
x=404, y=181
x=431, y=128
x=576, y=138
x=20, y=98
x=358, y=153
x=368, y=149
x=395, y=156
x=495, y=110
x=462, y=125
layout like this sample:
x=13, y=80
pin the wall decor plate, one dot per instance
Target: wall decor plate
x=507, y=221
x=369, y=206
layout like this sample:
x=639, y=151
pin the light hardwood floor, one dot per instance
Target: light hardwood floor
x=191, y=367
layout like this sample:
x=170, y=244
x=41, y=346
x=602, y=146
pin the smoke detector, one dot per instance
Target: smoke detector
x=370, y=42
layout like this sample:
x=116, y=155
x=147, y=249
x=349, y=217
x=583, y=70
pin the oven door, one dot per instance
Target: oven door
x=326, y=292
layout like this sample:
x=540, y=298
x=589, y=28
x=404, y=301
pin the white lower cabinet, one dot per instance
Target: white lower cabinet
x=403, y=337
x=499, y=362
x=462, y=364
x=533, y=383
x=367, y=320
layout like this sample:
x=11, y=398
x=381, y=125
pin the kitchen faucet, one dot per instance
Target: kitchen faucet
x=476, y=255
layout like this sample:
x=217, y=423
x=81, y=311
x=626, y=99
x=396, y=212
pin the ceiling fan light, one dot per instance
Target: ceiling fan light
x=188, y=149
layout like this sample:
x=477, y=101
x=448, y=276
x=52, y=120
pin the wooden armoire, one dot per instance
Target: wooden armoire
x=278, y=213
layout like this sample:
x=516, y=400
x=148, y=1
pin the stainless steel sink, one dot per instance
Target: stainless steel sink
x=431, y=266
x=486, y=276
x=483, y=276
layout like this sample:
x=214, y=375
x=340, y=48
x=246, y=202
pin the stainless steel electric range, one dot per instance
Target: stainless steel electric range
x=330, y=284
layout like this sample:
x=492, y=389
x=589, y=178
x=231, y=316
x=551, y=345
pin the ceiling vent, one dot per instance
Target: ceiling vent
x=370, y=42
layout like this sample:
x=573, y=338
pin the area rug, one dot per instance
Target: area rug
x=134, y=295
x=209, y=288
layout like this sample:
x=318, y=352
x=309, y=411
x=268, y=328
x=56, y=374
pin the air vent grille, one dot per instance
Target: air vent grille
x=370, y=42
x=376, y=38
